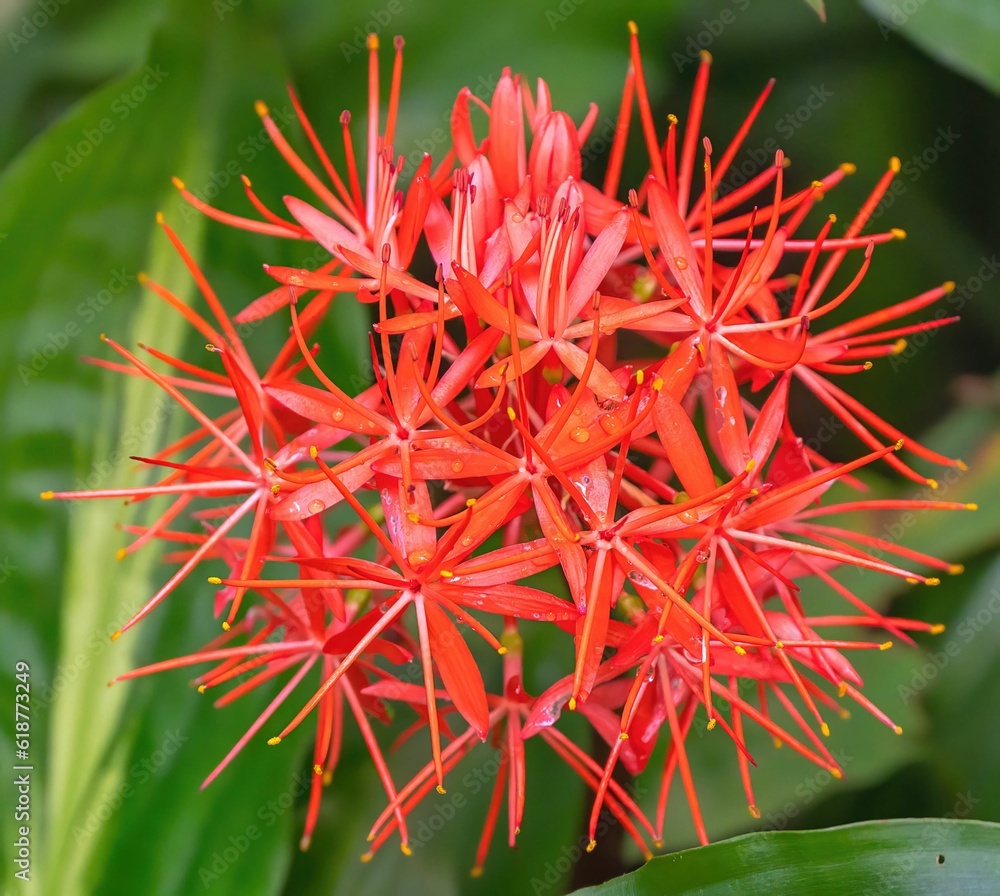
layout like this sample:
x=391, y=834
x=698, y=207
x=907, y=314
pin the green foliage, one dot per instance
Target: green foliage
x=89, y=165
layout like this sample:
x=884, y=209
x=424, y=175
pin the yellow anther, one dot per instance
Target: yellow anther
x=313, y=452
x=898, y=233
x=121, y=554
x=116, y=635
x=177, y=182
x=657, y=384
x=260, y=108
x=511, y=414
x=405, y=849
x=47, y=496
x=836, y=772
x=572, y=703
x=972, y=507
x=895, y=165
x=948, y=285
x=273, y=741
x=898, y=446
x=825, y=729
x=201, y=689
x=750, y=465
x=367, y=856
x=623, y=735
x=848, y=167
x=754, y=811
x=317, y=769
x=712, y=722
x=740, y=651
x=226, y=626
x=956, y=569
x=899, y=346
x=937, y=628
x=214, y=580
x=885, y=645
x=440, y=789
x=897, y=729
x=591, y=846
x=933, y=580
x=640, y=375
x=159, y=217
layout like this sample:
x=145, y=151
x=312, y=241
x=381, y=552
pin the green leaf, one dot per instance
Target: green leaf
x=961, y=34
x=895, y=858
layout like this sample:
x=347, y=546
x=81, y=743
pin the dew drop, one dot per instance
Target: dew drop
x=701, y=556
x=551, y=617
x=681, y=262
x=418, y=558
x=580, y=434
x=466, y=541
x=610, y=423
x=316, y=506
x=457, y=466
x=338, y=415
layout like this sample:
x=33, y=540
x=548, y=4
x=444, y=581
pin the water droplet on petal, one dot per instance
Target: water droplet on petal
x=466, y=541
x=701, y=556
x=418, y=558
x=610, y=423
x=338, y=415
x=681, y=262
x=580, y=434
x=457, y=466
x=316, y=506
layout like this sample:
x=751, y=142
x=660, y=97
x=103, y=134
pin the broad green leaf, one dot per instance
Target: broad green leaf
x=907, y=857
x=961, y=34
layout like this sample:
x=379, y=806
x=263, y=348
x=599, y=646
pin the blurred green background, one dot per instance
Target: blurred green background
x=116, y=807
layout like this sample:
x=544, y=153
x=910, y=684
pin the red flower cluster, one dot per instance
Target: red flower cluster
x=589, y=385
